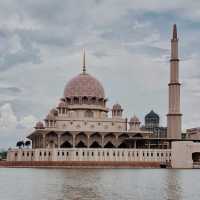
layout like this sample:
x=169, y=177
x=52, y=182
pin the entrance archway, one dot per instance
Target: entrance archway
x=196, y=157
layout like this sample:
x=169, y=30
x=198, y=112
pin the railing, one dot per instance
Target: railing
x=196, y=164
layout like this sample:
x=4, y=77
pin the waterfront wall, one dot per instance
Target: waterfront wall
x=185, y=154
x=84, y=154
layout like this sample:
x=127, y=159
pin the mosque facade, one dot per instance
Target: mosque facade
x=80, y=128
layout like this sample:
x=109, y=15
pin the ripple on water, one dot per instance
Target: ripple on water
x=99, y=184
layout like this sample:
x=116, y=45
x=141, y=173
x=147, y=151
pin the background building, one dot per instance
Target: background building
x=152, y=124
x=193, y=133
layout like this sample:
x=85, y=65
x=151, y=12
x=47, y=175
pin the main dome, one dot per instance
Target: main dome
x=84, y=85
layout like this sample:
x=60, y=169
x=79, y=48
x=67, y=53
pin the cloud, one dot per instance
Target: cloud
x=9, y=90
x=7, y=118
x=13, y=128
x=9, y=121
x=127, y=48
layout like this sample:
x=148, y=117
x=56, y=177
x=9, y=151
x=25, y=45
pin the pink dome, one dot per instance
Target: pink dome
x=53, y=111
x=84, y=85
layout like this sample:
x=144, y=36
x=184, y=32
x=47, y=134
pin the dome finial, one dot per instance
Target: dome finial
x=84, y=67
x=174, y=36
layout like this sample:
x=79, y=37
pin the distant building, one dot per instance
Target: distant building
x=152, y=124
x=193, y=133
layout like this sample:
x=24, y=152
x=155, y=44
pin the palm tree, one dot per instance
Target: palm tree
x=20, y=144
x=27, y=143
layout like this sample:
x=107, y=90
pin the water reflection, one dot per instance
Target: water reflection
x=99, y=184
x=173, y=185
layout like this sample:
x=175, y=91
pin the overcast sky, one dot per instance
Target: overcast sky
x=127, y=46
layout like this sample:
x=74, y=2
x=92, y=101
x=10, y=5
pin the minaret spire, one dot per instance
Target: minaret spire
x=174, y=37
x=84, y=67
x=174, y=114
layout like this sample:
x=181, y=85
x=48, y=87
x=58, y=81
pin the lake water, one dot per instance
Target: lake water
x=99, y=184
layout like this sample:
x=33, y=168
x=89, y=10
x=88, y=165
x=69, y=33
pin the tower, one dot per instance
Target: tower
x=117, y=111
x=174, y=115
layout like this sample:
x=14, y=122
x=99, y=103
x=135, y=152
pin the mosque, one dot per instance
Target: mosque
x=80, y=129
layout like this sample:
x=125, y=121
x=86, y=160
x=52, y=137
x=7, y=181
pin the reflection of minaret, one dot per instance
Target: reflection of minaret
x=174, y=115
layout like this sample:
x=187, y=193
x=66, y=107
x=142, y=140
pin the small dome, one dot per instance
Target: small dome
x=152, y=114
x=54, y=111
x=50, y=116
x=117, y=107
x=61, y=104
x=84, y=85
x=134, y=120
x=39, y=125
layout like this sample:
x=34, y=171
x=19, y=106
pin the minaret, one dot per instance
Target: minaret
x=84, y=67
x=174, y=115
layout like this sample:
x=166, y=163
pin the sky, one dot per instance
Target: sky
x=127, y=46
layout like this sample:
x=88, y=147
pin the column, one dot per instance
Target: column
x=74, y=140
x=102, y=141
x=59, y=136
x=44, y=141
x=88, y=140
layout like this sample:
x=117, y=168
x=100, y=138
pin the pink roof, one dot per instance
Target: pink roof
x=84, y=85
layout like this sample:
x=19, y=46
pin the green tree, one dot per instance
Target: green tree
x=20, y=144
x=27, y=143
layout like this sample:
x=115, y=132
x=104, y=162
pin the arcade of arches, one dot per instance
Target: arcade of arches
x=80, y=140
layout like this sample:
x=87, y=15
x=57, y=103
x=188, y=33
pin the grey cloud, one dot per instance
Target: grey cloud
x=10, y=90
x=113, y=31
x=13, y=59
x=149, y=50
x=17, y=52
x=48, y=36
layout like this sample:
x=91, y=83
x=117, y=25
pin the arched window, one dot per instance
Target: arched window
x=76, y=100
x=88, y=113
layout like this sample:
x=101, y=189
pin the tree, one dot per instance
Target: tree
x=20, y=144
x=27, y=143
x=3, y=155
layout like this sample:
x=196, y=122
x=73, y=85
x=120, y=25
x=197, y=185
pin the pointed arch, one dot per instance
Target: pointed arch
x=81, y=140
x=66, y=144
x=66, y=137
x=110, y=138
x=85, y=100
x=95, y=144
x=95, y=137
x=109, y=145
x=81, y=145
x=52, y=140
